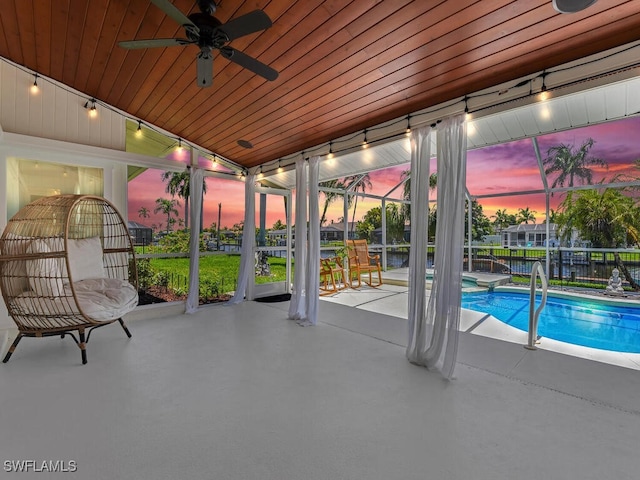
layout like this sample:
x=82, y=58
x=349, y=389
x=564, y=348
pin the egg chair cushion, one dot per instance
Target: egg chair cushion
x=85, y=258
x=101, y=299
x=104, y=299
x=45, y=276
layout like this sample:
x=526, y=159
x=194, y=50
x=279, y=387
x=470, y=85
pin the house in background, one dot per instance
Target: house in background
x=535, y=235
x=334, y=232
x=140, y=234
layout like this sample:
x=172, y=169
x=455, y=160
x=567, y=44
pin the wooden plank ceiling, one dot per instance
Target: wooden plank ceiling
x=343, y=65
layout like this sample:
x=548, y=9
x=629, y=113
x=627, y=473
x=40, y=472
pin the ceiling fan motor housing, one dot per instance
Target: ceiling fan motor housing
x=210, y=35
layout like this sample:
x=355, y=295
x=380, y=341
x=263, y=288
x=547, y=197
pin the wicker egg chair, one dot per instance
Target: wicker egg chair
x=65, y=266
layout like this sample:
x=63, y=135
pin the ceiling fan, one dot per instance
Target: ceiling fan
x=208, y=33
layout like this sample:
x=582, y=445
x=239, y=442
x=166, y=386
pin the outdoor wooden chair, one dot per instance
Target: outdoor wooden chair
x=361, y=262
x=332, y=276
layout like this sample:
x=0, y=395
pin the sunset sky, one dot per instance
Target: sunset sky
x=493, y=170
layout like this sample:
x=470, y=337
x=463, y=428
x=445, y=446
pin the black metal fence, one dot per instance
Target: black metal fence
x=567, y=265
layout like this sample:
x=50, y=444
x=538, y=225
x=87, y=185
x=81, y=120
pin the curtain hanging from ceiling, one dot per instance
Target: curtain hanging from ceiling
x=313, y=252
x=196, y=187
x=304, y=300
x=433, y=337
x=297, y=306
x=247, y=257
x=420, y=163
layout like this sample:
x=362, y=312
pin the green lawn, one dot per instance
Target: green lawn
x=216, y=271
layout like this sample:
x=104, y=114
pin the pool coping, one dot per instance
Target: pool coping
x=603, y=299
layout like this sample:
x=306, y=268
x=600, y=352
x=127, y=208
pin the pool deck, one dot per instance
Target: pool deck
x=392, y=299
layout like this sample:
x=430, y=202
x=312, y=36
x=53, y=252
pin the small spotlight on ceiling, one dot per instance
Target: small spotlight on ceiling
x=571, y=6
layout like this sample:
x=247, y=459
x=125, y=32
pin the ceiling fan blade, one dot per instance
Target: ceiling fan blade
x=249, y=63
x=167, y=7
x=244, y=25
x=154, y=42
x=205, y=69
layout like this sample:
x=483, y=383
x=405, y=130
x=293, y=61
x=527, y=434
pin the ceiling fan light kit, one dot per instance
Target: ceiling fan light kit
x=208, y=33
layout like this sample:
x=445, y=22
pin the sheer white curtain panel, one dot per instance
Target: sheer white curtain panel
x=297, y=306
x=247, y=256
x=196, y=186
x=304, y=300
x=434, y=335
x=420, y=164
x=313, y=250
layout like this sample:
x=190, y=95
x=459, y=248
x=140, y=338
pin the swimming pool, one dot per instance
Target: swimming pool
x=580, y=322
x=467, y=282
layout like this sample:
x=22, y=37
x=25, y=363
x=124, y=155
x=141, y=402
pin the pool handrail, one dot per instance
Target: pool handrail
x=534, y=314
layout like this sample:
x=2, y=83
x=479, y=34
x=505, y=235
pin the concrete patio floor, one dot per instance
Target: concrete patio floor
x=241, y=392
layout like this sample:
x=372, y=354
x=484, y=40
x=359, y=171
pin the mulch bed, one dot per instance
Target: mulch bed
x=155, y=294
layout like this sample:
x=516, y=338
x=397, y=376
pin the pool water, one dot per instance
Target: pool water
x=467, y=283
x=580, y=322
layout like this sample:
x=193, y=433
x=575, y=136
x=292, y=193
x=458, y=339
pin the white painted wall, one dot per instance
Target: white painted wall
x=55, y=112
x=54, y=126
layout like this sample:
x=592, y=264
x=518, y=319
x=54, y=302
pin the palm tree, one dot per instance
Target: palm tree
x=571, y=165
x=330, y=197
x=502, y=220
x=405, y=177
x=362, y=183
x=143, y=212
x=168, y=208
x=525, y=215
x=179, y=185
x=608, y=220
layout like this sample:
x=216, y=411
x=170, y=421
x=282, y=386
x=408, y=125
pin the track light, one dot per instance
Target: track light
x=35, y=88
x=139, y=130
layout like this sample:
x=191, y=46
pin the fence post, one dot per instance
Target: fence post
x=510, y=261
x=560, y=264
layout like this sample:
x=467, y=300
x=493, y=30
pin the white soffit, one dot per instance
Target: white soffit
x=589, y=107
x=360, y=161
